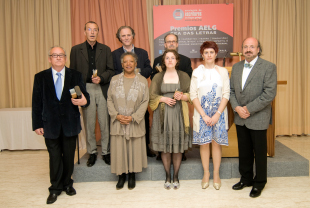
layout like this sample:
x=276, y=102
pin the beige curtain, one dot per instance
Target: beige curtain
x=110, y=15
x=282, y=26
x=28, y=29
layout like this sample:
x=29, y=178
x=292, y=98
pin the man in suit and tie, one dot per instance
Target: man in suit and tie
x=56, y=116
x=253, y=86
x=171, y=42
x=125, y=34
x=94, y=60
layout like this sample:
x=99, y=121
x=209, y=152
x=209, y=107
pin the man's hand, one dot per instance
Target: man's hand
x=95, y=80
x=39, y=131
x=80, y=102
x=246, y=109
x=242, y=112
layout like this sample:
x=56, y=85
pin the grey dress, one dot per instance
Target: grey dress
x=171, y=137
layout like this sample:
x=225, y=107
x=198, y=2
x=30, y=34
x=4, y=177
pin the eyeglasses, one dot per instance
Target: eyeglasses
x=173, y=42
x=95, y=29
x=251, y=47
x=54, y=55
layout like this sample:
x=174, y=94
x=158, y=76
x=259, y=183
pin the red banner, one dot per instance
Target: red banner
x=194, y=24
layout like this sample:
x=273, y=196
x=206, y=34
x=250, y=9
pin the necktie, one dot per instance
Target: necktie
x=58, y=85
x=248, y=65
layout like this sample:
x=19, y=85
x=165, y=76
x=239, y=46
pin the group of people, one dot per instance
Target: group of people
x=114, y=87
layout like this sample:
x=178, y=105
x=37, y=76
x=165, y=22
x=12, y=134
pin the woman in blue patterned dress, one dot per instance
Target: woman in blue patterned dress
x=209, y=92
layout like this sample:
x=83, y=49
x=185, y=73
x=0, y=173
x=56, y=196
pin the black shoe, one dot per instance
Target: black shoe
x=239, y=186
x=51, y=198
x=255, y=192
x=149, y=152
x=121, y=181
x=158, y=156
x=107, y=159
x=70, y=191
x=183, y=156
x=131, y=181
x=91, y=160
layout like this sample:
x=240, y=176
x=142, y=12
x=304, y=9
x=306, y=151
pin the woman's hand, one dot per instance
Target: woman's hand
x=169, y=101
x=124, y=119
x=207, y=120
x=178, y=95
x=215, y=118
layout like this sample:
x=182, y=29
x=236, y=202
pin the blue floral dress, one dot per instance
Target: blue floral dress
x=208, y=86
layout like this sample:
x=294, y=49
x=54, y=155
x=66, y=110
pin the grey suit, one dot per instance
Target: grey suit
x=259, y=91
x=79, y=60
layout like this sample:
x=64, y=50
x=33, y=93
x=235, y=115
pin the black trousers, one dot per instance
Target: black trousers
x=147, y=127
x=252, y=146
x=61, y=153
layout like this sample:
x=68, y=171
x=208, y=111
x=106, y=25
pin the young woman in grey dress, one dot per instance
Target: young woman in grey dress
x=170, y=133
x=128, y=97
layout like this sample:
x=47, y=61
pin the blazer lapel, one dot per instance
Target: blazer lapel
x=253, y=72
x=137, y=52
x=50, y=82
x=239, y=75
x=84, y=51
x=65, y=91
x=98, y=51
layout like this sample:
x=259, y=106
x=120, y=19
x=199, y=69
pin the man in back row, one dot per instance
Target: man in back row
x=125, y=34
x=85, y=58
x=171, y=42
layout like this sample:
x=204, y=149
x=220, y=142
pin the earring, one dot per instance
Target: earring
x=203, y=58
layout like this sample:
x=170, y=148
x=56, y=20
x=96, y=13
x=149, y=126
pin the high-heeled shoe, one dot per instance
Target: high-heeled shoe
x=205, y=185
x=176, y=185
x=167, y=185
x=217, y=186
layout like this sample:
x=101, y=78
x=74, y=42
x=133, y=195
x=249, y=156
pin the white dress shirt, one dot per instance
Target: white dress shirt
x=246, y=71
x=55, y=77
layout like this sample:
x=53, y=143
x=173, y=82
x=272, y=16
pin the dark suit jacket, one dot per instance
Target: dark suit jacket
x=51, y=114
x=143, y=61
x=104, y=63
x=259, y=91
x=185, y=65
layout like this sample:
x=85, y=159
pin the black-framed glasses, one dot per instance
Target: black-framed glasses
x=173, y=42
x=61, y=55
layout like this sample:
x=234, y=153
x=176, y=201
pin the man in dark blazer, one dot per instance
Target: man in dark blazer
x=253, y=86
x=56, y=116
x=86, y=58
x=171, y=42
x=125, y=34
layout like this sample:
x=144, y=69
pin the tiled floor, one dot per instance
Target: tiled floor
x=24, y=179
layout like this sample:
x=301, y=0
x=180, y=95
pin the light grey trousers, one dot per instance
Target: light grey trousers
x=98, y=104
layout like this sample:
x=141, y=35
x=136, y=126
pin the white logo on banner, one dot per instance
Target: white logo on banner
x=178, y=14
